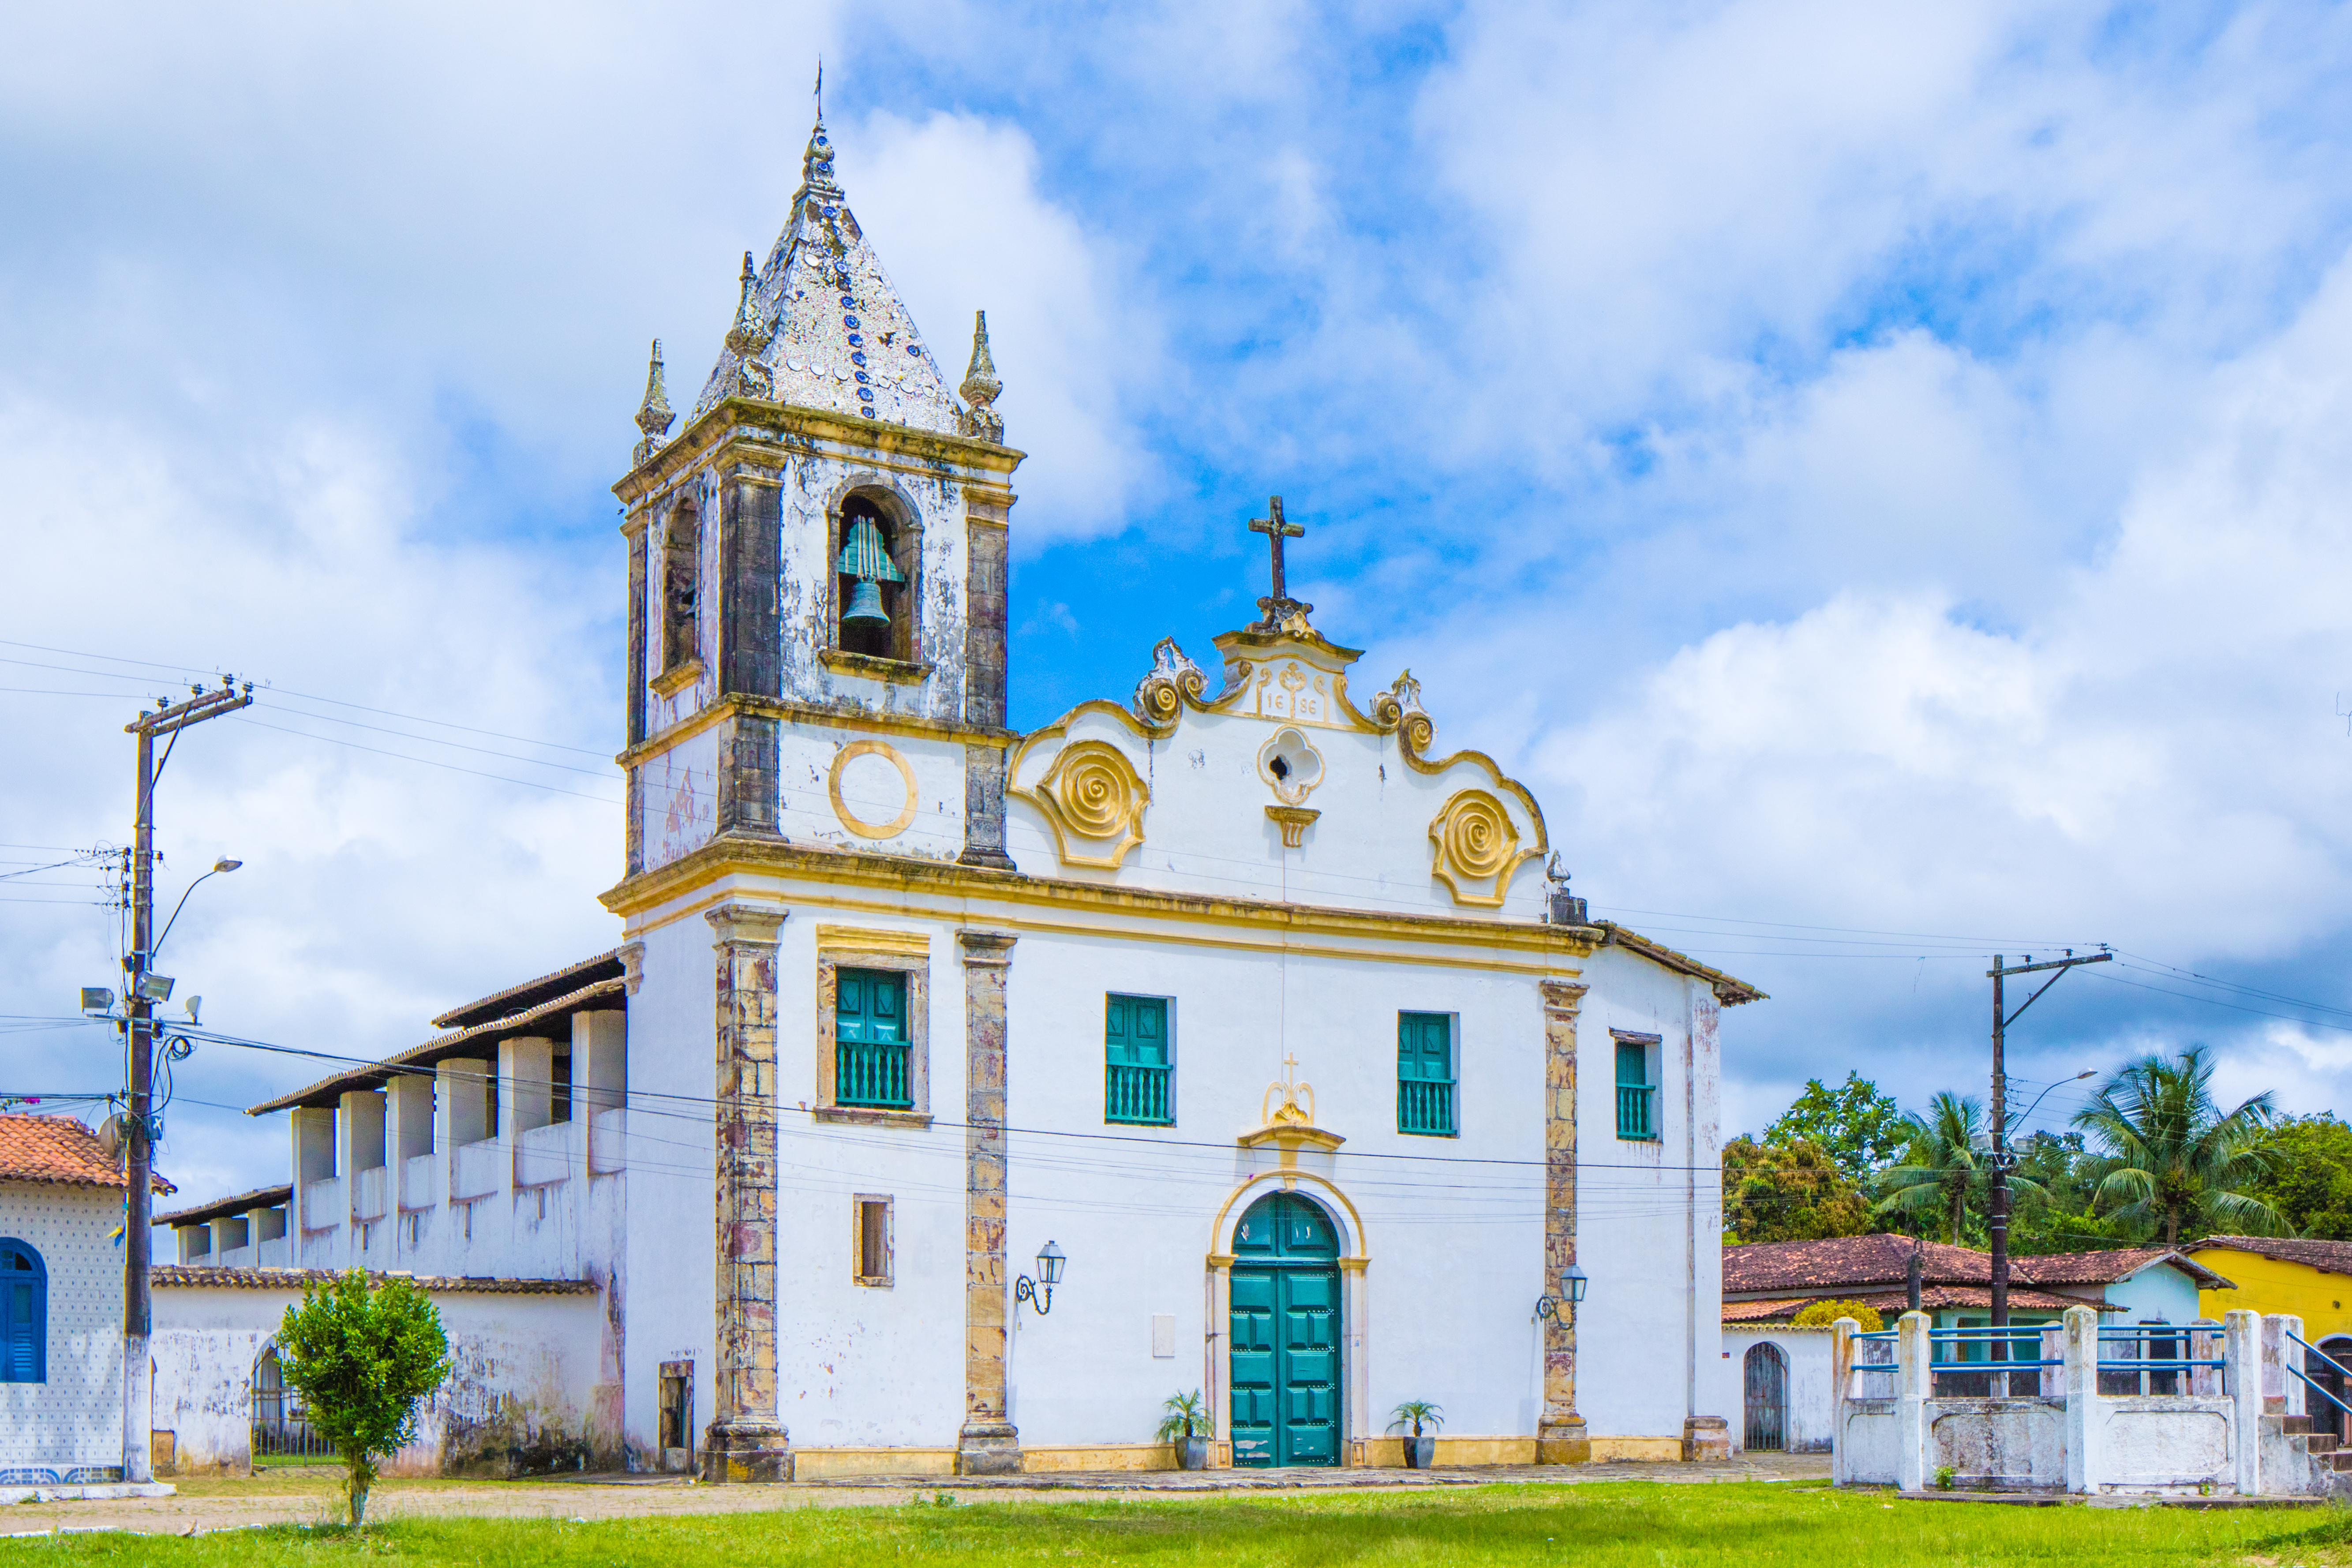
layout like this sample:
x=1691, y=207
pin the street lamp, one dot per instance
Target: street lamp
x=1571, y=1292
x=223, y=864
x=2086, y=1072
x=1051, y=1261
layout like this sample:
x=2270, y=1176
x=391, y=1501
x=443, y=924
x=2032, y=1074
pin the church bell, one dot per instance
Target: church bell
x=863, y=558
x=866, y=606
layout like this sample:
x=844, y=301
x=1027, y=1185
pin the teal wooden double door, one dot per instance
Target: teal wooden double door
x=1286, y=1329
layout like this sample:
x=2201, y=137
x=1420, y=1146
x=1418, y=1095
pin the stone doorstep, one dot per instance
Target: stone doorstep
x=96, y=1491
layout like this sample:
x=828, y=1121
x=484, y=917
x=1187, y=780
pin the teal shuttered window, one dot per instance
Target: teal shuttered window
x=1637, y=1096
x=24, y=1315
x=1135, y=1061
x=1425, y=1074
x=869, y=1039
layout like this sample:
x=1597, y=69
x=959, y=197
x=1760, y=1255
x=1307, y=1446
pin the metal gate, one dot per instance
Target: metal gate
x=1766, y=1375
x=281, y=1425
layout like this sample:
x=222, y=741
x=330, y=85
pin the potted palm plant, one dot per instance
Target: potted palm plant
x=1185, y=1427
x=1420, y=1448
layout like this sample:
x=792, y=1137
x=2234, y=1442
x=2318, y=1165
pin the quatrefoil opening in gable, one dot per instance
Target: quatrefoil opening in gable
x=1291, y=765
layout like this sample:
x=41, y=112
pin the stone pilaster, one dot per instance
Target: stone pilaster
x=983, y=808
x=1560, y=1437
x=985, y=583
x=988, y=1444
x=746, y=1443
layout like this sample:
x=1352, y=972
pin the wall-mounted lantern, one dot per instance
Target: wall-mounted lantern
x=1051, y=1261
x=1571, y=1292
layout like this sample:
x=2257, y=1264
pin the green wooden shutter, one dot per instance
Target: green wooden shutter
x=1633, y=1066
x=1425, y=1047
x=869, y=1008
x=1636, y=1116
x=1425, y=1073
x=1135, y=1060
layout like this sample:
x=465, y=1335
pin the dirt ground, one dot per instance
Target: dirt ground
x=314, y=1495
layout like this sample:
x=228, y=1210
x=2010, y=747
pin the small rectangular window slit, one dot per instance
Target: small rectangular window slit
x=870, y=1240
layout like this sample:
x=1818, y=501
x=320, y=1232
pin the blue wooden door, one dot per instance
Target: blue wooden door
x=1284, y=1323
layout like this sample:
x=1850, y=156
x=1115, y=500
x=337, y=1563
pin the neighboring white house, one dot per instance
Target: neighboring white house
x=61, y=1305
x=1784, y=1373
x=957, y=1095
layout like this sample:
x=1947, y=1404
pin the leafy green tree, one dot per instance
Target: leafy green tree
x=2310, y=1180
x=364, y=1360
x=1788, y=1191
x=1940, y=1169
x=2176, y=1161
x=1854, y=1123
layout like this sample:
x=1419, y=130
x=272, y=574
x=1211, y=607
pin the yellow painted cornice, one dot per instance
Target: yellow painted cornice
x=905, y=875
x=811, y=713
x=779, y=431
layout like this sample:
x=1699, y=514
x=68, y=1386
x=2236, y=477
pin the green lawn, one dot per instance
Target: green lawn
x=1752, y=1525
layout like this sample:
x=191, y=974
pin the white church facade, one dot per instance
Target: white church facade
x=956, y=1096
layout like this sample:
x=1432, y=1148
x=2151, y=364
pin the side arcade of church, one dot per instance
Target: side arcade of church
x=957, y=1095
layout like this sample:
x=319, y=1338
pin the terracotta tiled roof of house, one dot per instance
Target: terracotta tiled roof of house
x=2110, y=1267
x=2330, y=1257
x=1845, y=1261
x=194, y=1276
x=1892, y=1304
x=60, y=1150
x=1858, y=1263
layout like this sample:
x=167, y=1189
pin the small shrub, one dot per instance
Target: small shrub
x=1821, y=1314
x=1944, y=1475
x=1414, y=1413
x=363, y=1359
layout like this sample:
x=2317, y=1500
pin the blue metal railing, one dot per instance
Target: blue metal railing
x=2310, y=1350
x=2141, y=1334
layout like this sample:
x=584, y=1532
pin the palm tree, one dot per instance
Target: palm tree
x=1947, y=1157
x=2175, y=1161
x=1939, y=1162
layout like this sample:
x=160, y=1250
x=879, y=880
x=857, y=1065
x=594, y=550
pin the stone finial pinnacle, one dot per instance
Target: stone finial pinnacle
x=654, y=415
x=749, y=337
x=981, y=387
x=816, y=163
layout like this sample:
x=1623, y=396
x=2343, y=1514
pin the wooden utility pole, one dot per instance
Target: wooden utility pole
x=1997, y=1219
x=139, y=1023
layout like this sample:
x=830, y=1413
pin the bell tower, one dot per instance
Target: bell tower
x=817, y=571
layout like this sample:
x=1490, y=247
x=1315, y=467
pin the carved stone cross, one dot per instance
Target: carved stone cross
x=1276, y=529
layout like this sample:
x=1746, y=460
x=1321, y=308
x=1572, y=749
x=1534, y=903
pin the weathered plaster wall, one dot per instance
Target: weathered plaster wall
x=1807, y=1420
x=517, y=1399
x=2158, y=1295
x=74, y=1418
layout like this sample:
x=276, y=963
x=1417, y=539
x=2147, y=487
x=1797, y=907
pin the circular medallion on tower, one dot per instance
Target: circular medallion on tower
x=873, y=789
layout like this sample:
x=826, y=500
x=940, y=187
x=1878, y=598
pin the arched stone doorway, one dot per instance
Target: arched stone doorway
x=1765, y=1376
x=1286, y=1326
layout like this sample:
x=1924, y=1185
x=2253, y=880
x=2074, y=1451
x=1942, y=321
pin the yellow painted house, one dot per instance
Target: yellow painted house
x=2312, y=1279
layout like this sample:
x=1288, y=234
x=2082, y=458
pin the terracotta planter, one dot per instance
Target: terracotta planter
x=1192, y=1453
x=1420, y=1453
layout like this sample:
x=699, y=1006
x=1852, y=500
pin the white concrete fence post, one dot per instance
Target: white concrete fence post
x=2081, y=1373
x=2282, y=1390
x=2241, y=1351
x=1914, y=1381
x=2053, y=1348
x=2205, y=1344
x=1842, y=1380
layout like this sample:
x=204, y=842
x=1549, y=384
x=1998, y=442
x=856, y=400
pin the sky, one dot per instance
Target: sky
x=1882, y=475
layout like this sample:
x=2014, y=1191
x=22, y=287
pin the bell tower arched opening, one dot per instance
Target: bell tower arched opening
x=681, y=587
x=874, y=579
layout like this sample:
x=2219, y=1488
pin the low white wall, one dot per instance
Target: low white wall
x=1809, y=1422
x=519, y=1397
x=1998, y=1445
x=72, y=1421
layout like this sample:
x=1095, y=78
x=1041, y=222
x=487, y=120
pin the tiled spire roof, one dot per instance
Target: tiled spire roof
x=819, y=325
